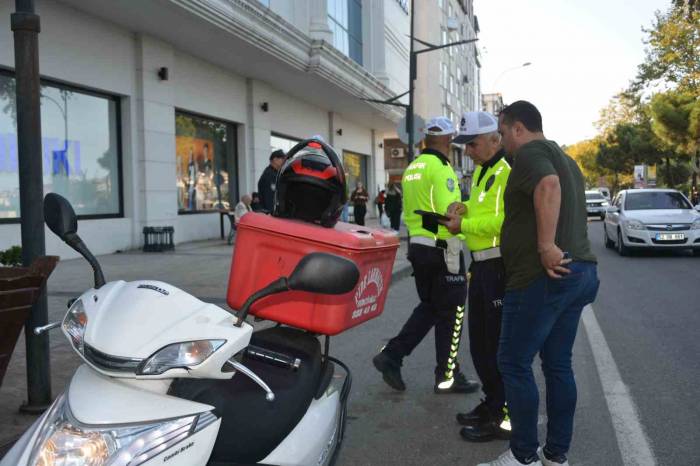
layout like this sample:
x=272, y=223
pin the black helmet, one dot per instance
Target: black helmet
x=311, y=184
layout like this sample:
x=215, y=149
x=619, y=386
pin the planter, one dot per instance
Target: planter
x=20, y=288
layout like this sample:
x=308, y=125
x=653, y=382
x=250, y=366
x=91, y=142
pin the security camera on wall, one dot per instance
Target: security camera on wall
x=398, y=153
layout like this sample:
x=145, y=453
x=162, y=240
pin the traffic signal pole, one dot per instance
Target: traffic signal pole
x=412, y=73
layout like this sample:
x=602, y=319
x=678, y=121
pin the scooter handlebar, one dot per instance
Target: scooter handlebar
x=272, y=357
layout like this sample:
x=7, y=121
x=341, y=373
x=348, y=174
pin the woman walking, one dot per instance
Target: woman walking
x=359, y=198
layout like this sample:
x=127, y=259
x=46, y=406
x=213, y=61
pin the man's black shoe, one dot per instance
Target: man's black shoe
x=391, y=371
x=458, y=384
x=475, y=416
x=486, y=431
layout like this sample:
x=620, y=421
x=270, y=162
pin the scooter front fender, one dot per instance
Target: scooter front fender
x=97, y=400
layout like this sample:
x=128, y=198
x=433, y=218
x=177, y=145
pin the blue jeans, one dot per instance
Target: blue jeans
x=543, y=317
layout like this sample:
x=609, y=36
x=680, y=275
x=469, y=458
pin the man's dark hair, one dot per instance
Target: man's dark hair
x=525, y=113
x=278, y=154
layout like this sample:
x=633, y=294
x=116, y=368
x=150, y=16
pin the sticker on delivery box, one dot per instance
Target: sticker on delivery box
x=368, y=291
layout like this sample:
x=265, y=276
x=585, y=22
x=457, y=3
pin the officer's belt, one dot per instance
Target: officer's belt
x=435, y=243
x=486, y=254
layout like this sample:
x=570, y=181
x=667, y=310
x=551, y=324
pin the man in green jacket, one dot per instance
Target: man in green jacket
x=481, y=225
x=430, y=184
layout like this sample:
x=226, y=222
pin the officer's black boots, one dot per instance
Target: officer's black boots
x=485, y=432
x=391, y=371
x=459, y=384
x=477, y=415
x=485, y=425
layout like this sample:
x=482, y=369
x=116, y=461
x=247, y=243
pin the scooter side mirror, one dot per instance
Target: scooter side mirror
x=317, y=272
x=323, y=273
x=61, y=219
x=60, y=216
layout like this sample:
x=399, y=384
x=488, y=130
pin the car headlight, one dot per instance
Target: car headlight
x=63, y=441
x=696, y=224
x=185, y=354
x=74, y=325
x=634, y=225
x=605, y=204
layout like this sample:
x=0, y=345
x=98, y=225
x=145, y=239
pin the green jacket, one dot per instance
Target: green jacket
x=429, y=183
x=482, y=224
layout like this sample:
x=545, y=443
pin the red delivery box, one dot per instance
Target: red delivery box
x=268, y=248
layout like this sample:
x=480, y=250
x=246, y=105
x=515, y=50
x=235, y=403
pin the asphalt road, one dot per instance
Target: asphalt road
x=648, y=309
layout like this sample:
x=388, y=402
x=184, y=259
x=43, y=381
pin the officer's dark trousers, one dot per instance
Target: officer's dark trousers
x=442, y=298
x=486, y=291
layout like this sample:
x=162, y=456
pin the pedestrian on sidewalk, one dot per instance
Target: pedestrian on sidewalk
x=379, y=200
x=359, y=198
x=267, y=184
x=243, y=207
x=550, y=276
x=393, y=205
x=429, y=183
x=480, y=223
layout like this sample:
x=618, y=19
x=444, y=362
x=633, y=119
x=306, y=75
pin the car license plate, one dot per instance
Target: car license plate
x=669, y=236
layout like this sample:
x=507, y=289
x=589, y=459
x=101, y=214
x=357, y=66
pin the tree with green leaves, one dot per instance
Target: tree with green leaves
x=673, y=56
x=676, y=121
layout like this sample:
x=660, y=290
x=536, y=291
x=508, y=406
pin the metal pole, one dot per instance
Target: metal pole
x=25, y=25
x=411, y=79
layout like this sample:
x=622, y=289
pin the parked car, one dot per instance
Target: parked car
x=596, y=203
x=652, y=218
x=604, y=191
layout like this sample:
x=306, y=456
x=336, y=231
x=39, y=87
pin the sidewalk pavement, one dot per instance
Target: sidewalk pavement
x=200, y=268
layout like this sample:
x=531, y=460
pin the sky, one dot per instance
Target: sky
x=583, y=52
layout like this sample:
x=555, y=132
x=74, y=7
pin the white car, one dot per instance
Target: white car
x=596, y=203
x=652, y=218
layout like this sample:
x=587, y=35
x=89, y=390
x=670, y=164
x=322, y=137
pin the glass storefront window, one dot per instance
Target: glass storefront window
x=205, y=176
x=80, y=149
x=345, y=22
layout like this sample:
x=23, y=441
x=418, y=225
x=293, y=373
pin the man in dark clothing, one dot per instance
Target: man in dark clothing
x=550, y=276
x=267, y=183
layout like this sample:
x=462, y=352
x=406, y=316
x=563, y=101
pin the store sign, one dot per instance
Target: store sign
x=60, y=156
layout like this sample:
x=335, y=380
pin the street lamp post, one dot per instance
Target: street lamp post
x=527, y=63
x=25, y=26
x=411, y=78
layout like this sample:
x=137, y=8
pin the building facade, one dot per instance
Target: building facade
x=448, y=80
x=163, y=112
x=492, y=103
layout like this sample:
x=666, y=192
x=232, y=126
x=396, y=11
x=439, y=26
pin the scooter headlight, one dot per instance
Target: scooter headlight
x=185, y=354
x=74, y=325
x=63, y=441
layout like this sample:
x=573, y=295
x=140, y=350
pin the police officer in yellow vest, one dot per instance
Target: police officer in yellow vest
x=430, y=184
x=481, y=226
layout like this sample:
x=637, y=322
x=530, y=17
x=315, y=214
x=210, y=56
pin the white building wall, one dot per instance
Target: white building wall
x=109, y=48
x=396, y=29
x=88, y=52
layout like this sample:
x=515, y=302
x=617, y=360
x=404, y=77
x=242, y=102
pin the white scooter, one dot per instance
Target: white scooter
x=169, y=379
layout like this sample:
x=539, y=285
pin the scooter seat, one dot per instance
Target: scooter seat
x=251, y=427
